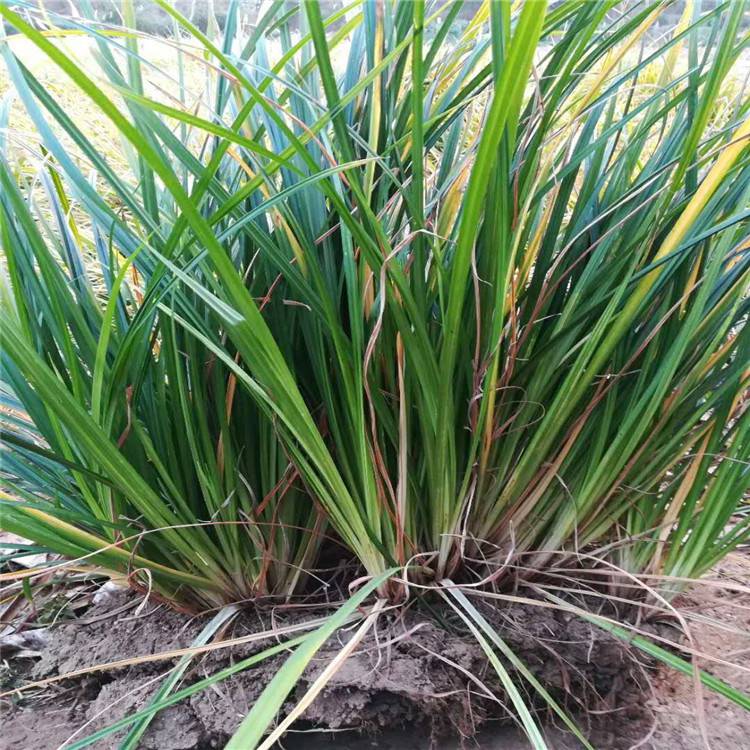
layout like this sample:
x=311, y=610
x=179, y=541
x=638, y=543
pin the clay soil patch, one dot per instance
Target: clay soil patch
x=407, y=687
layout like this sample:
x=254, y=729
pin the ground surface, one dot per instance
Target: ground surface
x=395, y=692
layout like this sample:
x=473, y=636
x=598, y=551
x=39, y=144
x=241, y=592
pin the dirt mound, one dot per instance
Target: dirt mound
x=412, y=672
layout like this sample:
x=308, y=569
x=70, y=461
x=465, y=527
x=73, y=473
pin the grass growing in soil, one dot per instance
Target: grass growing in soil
x=465, y=308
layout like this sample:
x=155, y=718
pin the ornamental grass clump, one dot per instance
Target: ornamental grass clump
x=466, y=299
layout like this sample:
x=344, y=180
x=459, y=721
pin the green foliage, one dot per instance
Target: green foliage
x=446, y=302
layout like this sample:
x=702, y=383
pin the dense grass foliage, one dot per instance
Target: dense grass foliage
x=446, y=301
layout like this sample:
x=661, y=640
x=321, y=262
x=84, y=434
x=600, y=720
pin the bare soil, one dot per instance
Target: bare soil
x=405, y=688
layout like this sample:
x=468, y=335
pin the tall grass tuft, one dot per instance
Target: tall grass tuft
x=447, y=297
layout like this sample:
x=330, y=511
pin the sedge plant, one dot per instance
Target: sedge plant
x=462, y=298
x=444, y=294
